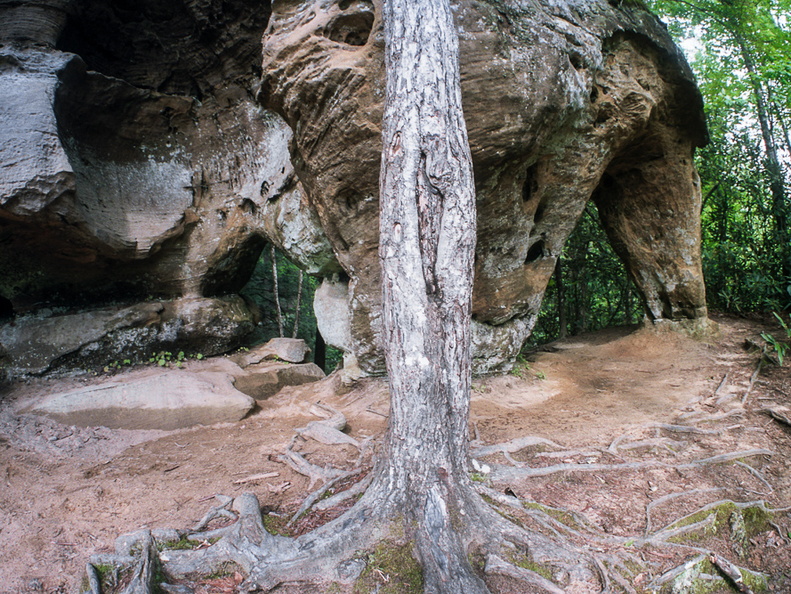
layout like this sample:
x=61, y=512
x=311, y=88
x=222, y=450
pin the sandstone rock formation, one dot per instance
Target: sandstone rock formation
x=137, y=164
x=564, y=102
x=51, y=342
x=146, y=156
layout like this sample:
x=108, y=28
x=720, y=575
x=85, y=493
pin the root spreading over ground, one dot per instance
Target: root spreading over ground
x=681, y=486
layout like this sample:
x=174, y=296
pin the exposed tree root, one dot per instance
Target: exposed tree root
x=495, y=565
x=682, y=577
x=753, y=378
x=522, y=471
x=546, y=548
x=657, y=502
x=731, y=571
x=571, y=553
x=311, y=499
x=778, y=415
x=94, y=583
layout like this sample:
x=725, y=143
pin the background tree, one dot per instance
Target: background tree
x=744, y=69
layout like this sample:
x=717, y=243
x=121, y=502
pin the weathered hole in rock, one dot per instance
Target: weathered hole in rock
x=531, y=184
x=535, y=252
x=353, y=28
x=6, y=308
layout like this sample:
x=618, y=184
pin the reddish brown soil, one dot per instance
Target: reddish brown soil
x=66, y=492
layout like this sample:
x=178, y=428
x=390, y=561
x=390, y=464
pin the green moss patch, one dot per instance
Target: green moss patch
x=391, y=569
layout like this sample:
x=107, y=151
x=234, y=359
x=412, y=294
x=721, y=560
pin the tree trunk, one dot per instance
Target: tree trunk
x=427, y=243
x=299, y=304
x=320, y=351
x=562, y=317
x=276, y=291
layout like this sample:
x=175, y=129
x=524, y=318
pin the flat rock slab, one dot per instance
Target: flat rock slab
x=167, y=400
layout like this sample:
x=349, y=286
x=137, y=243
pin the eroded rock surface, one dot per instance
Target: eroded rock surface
x=52, y=341
x=146, y=154
x=564, y=101
x=136, y=161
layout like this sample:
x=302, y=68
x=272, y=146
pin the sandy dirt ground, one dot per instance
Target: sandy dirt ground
x=605, y=399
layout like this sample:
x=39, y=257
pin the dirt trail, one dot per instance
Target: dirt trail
x=66, y=492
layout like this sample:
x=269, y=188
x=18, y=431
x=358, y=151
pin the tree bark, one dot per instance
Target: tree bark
x=276, y=291
x=562, y=317
x=427, y=243
x=299, y=304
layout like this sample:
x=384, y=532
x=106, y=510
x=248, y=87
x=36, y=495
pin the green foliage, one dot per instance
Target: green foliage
x=168, y=359
x=738, y=51
x=593, y=290
x=260, y=290
x=780, y=347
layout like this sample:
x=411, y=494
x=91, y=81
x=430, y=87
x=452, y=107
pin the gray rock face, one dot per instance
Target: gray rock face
x=157, y=400
x=35, y=344
x=136, y=162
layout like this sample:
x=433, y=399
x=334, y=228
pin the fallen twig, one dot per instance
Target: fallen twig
x=256, y=477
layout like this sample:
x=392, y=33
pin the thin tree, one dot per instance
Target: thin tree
x=298, y=305
x=276, y=290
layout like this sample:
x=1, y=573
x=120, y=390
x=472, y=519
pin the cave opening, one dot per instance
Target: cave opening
x=294, y=299
x=590, y=288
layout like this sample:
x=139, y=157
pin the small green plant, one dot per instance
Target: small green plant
x=779, y=347
x=541, y=375
x=116, y=365
x=167, y=358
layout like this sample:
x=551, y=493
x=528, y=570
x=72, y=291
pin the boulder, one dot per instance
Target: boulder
x=266, y=379
x=156, y=399
x=291, y=350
